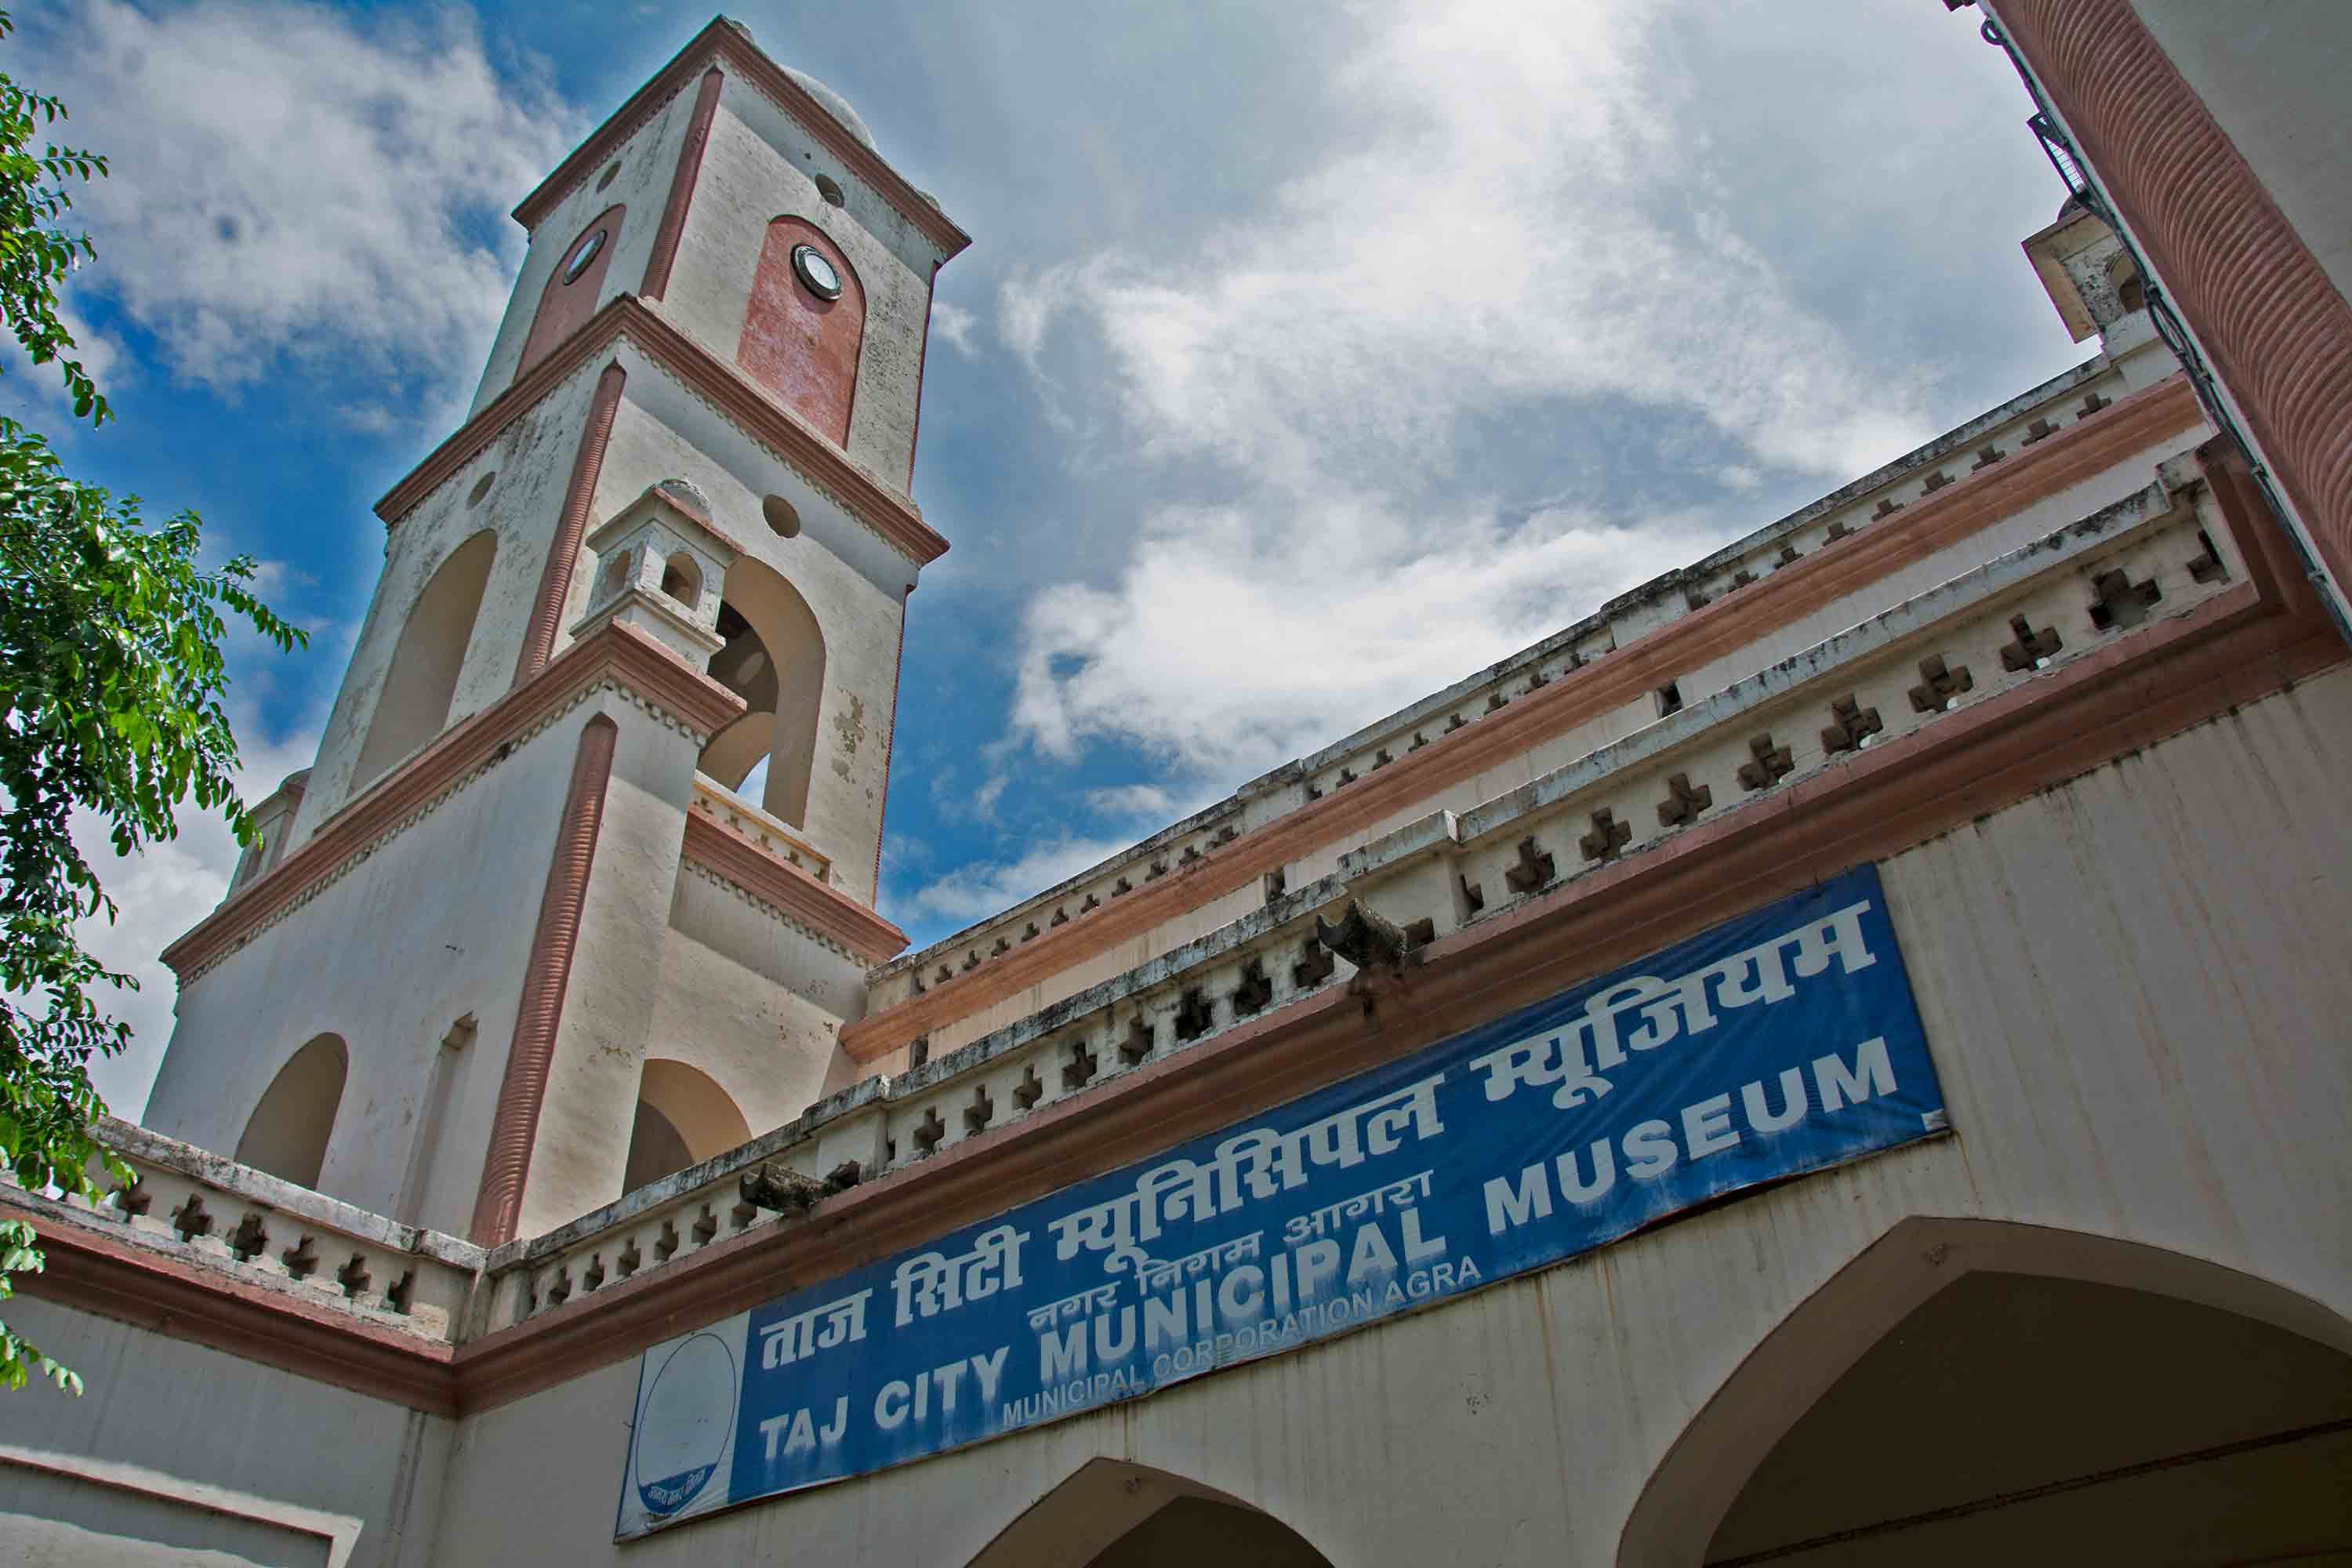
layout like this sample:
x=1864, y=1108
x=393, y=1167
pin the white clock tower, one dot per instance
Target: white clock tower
x=580, y=887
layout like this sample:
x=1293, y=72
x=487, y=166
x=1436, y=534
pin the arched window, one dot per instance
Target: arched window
x=803, y=326
x=288, y=1135
x=569, y=297
x=683, y=1117
x=414, y=704
x=775, y=660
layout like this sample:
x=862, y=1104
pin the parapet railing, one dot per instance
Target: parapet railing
x=772, y=833
x=204, y=1209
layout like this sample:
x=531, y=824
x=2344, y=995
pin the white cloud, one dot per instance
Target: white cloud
x=1131, y=800
x=161, y=894
x=979, y=888
x=1521, y=218
x=290, y=181
x=957, y=325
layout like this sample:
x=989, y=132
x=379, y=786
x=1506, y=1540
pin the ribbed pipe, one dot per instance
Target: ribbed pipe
x=563, y=552
x=497, y=1209
x=681, y=185
x=2261, y=304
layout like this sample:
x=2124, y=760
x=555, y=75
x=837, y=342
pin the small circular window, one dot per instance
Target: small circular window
x=815, y=273
x=830, y=189
x=781, y=517
x=481, y=487
x=581, y=256
x=609, y=174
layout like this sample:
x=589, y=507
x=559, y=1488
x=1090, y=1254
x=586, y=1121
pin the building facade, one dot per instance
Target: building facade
x=1837, y=1055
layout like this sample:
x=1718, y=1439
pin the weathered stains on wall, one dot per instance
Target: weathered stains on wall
x=527, y=470
x=430, y=926
x=797, y=344
x=645, y=164
x=761, y=166
x=852, y=583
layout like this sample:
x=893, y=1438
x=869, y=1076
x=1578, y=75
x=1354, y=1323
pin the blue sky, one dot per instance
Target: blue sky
x=1307, y=356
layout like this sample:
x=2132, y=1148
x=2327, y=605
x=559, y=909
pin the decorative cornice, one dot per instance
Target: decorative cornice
x=722, y=41
x=2260, y=301
x=823, y=907
x=2074, y=453
x=2253, y=639
x=893, y=516
x=619, y=654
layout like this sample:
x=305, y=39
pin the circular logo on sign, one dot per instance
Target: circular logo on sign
x=686, y=1425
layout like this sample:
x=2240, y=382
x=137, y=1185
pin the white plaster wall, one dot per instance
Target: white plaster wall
x=648, y=163
x=2272, y=76
x=855, y=584
x=580, y=1152
x=432, y=925
x=761, y=165
x=203, y=1416
x=532, y=462
x=2132, y=990
x=752, y=1000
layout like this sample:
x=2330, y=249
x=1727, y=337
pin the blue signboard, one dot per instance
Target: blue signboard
x=1781, y=1042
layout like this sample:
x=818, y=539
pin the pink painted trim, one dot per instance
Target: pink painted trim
x=563, y=550
x=523, y=1093
x=681, y=185
x=922, y=364
x=890, y=739
x=2260, y=301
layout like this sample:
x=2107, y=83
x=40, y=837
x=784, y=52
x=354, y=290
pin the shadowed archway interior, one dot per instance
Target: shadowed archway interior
x=2014, y=1417
x=1109, y=1513
x=288, y=1133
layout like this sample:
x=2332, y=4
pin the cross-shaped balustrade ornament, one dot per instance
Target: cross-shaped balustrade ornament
x=1683, y=803
x=981, y=1109
x=1987, y=456
x=1138, y=1043
x=1079, y=1070
x=1607, y=836
x=1934, y=482
x=1030, y=1090
x=1314, y=966
x=2031, y=648
x=1887, y=507
x=2040, y=429
x=2207, y=567
x=1766, y=763
x=1940, y=685
x=1194, y=1013
x=2122, y=602
x=1531, y=870
x=2092, y=404
x=1851, y=724
x=1256, y=990
x=930, y=1129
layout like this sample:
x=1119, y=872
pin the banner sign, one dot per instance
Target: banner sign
x=1778, y=1043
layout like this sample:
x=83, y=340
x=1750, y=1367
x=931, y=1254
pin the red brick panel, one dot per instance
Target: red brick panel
x=802, y=348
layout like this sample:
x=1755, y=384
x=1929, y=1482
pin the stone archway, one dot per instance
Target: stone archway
x=1968, y=1391
x=1113, y=1514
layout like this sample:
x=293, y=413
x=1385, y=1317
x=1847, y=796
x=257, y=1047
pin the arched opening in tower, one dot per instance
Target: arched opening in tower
x=774, y=660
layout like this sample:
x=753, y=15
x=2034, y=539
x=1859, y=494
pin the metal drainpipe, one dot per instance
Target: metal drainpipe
x=2063, y=156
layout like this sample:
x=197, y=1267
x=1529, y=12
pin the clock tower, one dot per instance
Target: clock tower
x=580, y=887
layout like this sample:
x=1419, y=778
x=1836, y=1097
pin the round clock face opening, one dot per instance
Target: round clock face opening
x=583, y=255
x=816, y=274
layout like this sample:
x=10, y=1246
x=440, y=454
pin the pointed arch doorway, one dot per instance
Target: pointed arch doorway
x=1975, y=1391
x=1112, y=1514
